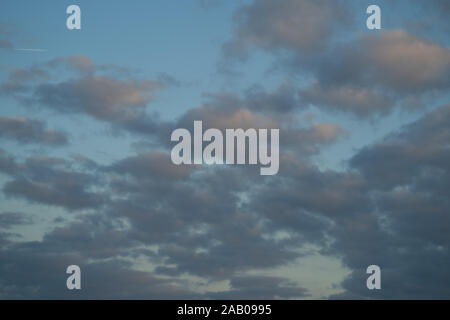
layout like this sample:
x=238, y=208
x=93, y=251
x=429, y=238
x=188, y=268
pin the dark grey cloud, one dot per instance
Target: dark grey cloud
x=115, y=279
x=100, y=280
x=50, y=181
x=198, y=217
x=407, y=235
x=262, y=287
x=152, y=164
x=25, y=130
x=10, y=219
x=417, y=149
x=8, y=163
x=179, y=216
x=93, y=236
x=183, y=216
x=219, y=224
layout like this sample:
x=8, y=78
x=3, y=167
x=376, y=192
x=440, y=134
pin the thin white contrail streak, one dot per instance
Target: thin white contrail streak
x=36, y=50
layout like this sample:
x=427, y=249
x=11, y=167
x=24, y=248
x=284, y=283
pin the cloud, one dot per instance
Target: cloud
x=26, y=130
x=415, y=149
x=224, y=110
x=282, y=100
x=299, y=25
x=168, y=79
x=407, y=174
x=6, y=32
x=196, y=216
x=221, y=224
x=98, y=96
x=6, y=44
x=103, y=92
x=357, y=100
x=222, y=118
x=183, y=216
x=19, y=79
x=7, y=163
x=375, y=73
x=50, y=181
x=261, y=287
x=407, y=62
x=113, y=279
x=141, y=227
x=10, y=219
x=153, y=165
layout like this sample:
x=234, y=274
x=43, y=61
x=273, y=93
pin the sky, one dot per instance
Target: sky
x=86, y=176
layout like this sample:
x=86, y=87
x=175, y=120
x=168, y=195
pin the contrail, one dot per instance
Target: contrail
x=36, y=50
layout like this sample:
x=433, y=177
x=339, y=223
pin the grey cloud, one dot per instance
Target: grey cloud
x=8, y=164
x=223, y=110
x=50, y=181
x=54, y=193
x=223, y=118
x=105, y=92
x=407, y=235
x=101, y=97
x=219, y=223
x=197, y=212
x=81, y=63
x=114, y=279
x=261, y=287
x=406, y=62
x=282, y=100
x=361, y=101
x=390, y=59
x=234, y=246
x=6, y=44
x=152, y=164
x=94, y=236
x=307, y=202
x=19, y=79
x=415, y=150
x=168, y=79
x=375, y=73
x=6, y=33
x=299, y=25
x=10, y=219
x=26, y=130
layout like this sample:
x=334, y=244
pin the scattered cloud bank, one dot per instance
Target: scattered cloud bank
x=198, y=226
